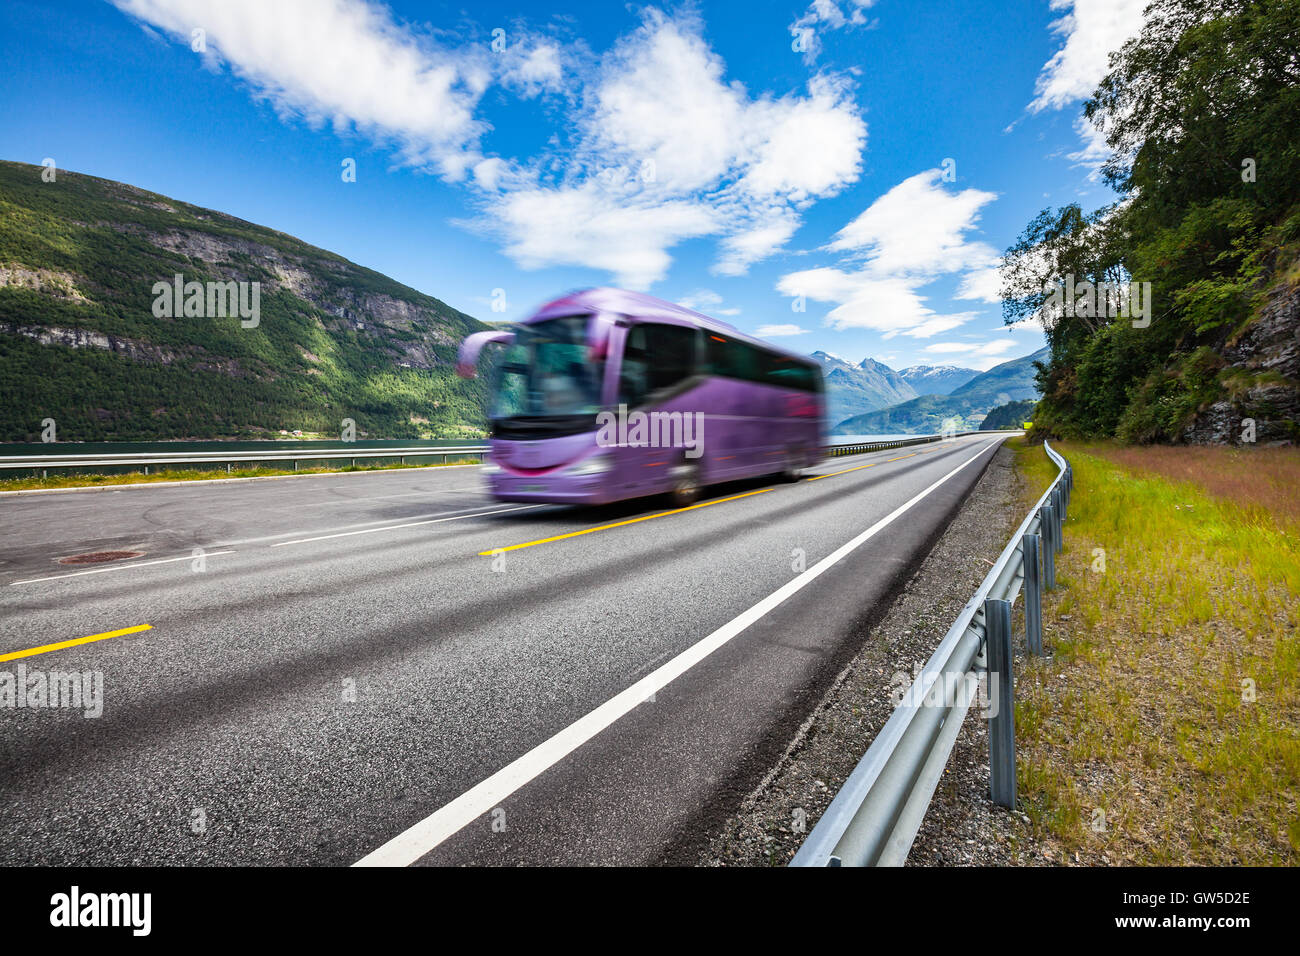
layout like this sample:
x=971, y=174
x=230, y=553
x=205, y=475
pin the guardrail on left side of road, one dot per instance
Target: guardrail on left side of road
x=209, y=458
x=294, y=456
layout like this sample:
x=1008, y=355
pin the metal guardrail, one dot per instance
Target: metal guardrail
x=153, y=459
x=149, y=460
x=874, y=818
x=857, y=448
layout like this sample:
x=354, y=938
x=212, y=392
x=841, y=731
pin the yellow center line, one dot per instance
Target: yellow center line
x=46, y=648
x=844, y=472
x=860, y=467
x=619, y=524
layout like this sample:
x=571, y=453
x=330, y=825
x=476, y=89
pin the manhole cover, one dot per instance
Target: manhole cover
x=99, y=557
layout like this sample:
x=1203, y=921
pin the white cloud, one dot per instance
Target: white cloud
x=918, y=227
x=1092, y=30
x=889, y=306
x=589, y=226
x=345, y=62
x=1094, y=152
x=776, y=331
x=667, y=148
x=700, y=299
x=707, y=301
x=741, y=249
x=660, y=97
x=804, y=147
x=830, y=15
x=994, y=347
x=653, y=143
x=983, y=284
x=981, y=356
x=908, y=237
x=533, y=70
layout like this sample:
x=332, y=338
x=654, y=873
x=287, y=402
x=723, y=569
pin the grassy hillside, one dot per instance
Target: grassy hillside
x=79, y=342
x=1010, y=381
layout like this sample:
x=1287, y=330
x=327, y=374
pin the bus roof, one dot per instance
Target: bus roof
x=641, y=306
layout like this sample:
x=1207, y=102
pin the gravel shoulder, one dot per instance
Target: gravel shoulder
x=962, y=827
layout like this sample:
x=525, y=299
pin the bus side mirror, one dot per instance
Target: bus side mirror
x=467, y=360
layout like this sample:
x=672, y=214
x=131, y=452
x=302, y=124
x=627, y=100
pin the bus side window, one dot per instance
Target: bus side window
x=734, y=359
x=788, y=373
x=655, y=358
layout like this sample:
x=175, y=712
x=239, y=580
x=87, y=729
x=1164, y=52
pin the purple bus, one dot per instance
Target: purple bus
x=605, y=395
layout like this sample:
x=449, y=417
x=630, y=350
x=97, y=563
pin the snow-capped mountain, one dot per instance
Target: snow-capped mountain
x=937, y=379
x=853, y=389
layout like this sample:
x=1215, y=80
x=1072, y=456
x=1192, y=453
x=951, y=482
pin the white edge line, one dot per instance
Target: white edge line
x=121, y=567
x=394, y=527
x=409, y=846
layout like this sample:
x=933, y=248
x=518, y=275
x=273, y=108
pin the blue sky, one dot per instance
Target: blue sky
x=746, y=158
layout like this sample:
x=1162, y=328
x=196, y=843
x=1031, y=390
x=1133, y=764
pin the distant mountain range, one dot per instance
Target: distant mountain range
x=855, y=389
x=937, y=379
x=1011, y=381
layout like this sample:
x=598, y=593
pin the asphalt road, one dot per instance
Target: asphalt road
x=348, y=672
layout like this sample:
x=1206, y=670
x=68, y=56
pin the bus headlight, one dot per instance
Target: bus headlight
x=488, y=469
x=597, y=464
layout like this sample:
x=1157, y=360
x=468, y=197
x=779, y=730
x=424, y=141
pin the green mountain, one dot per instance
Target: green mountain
x=855, y=389
x=1008, y=382
x=1010, y=415
x=81, y=341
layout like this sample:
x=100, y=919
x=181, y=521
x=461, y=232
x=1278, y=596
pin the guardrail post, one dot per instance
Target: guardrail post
x=1048, y=524
x=1058, y=533
x=1033, y=596
x=1002, y=720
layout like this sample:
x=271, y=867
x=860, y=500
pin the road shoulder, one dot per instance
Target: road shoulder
x=767, y=828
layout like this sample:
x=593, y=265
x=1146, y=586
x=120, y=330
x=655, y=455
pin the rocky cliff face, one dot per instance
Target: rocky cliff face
x=1261, y=379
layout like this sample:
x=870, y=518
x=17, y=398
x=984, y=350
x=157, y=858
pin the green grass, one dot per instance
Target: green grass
x=1144, y=709
x=139, y=478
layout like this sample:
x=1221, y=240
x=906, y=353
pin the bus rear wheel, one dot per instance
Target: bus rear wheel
x=794, y=465
x=686, y=485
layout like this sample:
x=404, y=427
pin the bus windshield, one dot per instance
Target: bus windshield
x=546, y=373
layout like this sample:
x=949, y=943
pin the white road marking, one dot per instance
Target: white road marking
x=122, y=567
x=408, y=847
x=409, y=524
x=378, y=524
